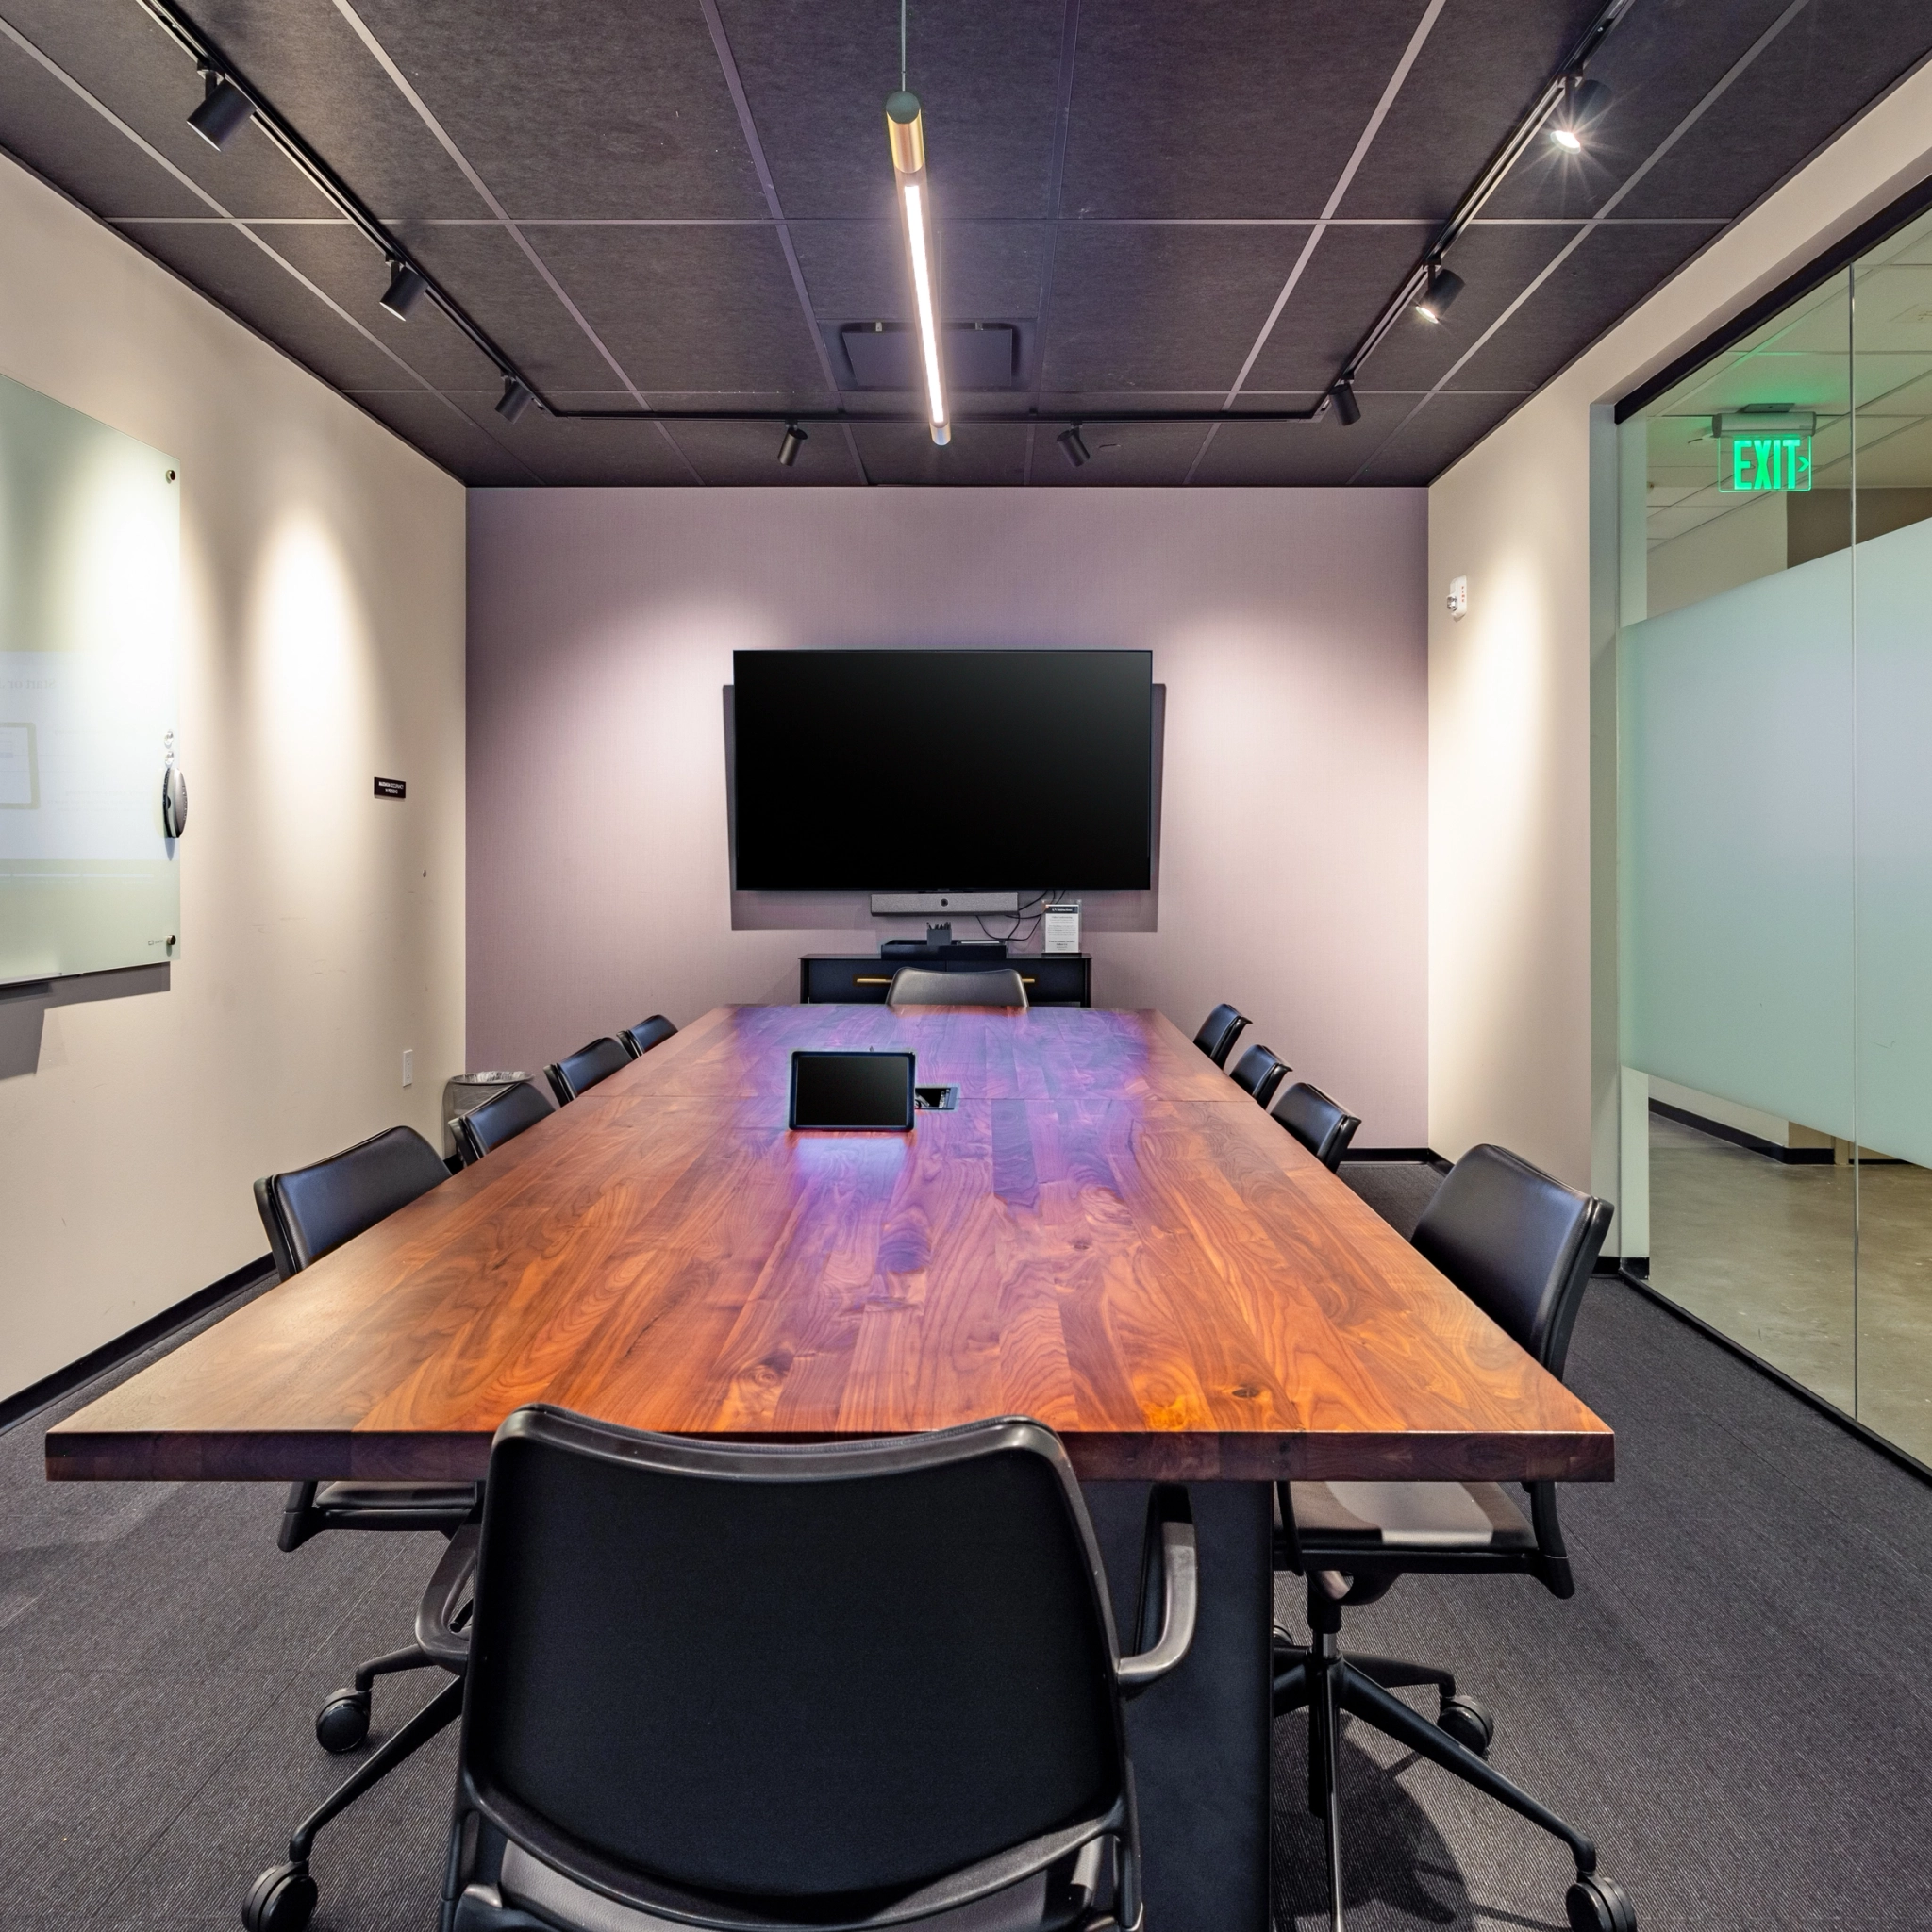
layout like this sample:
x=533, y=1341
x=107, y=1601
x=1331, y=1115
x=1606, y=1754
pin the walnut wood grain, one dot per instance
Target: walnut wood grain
x=1107, y=1234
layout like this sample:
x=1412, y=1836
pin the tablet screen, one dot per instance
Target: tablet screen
x=852, y=1091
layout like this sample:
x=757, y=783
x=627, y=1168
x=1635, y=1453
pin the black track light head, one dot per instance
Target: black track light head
x=1438, y=293
x=1074, y=445
x=223, y=111
x=1345, y=404
x=1578, y=112
x=794, y=440
x=406, y=286
x=516, y=398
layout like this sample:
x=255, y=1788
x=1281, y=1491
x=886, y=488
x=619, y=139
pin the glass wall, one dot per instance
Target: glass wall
x=1774, y=838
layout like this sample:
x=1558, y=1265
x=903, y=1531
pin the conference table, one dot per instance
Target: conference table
x=1105, y=1233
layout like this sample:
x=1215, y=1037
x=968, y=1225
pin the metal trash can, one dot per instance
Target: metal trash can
x=467, y=1091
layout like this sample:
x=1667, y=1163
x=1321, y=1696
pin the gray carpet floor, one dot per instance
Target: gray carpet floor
x=1734, y=1704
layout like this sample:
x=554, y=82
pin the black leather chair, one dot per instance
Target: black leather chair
x=500, y=1118
x=1219, y=1032
x=1260, y=1072
x=924, y=986
x=1323, y=1128
x=306, y=1213
x=1521, y=1245
x=577, y=1073
x=775, y=1686
x=641, y=1039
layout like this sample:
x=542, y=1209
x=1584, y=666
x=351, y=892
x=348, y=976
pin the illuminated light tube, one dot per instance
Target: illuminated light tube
x=904, y=131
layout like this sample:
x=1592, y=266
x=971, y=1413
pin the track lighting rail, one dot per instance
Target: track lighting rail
x=220, y=117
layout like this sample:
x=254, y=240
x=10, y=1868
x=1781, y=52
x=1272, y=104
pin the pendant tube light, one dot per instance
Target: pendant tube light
x=908, y=138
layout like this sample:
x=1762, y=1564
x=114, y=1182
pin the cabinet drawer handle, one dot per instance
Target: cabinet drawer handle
x=869, y=979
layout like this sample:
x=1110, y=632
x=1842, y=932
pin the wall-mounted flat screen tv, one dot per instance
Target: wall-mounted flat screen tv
x=909, y=771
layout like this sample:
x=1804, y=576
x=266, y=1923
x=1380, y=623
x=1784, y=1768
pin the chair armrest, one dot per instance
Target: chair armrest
x=442, y=1617
x=1180, y=1573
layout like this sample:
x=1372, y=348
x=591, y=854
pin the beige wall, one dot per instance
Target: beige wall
x=1511, y=948
x=322, y=932
x=1286, y=625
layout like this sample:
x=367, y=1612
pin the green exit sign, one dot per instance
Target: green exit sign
x=1766, y=456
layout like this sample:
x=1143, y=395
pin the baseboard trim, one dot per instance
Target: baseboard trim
x=110, y=1355
x=1791, y=1157
x=1415, y=1157
x=1810, y=1397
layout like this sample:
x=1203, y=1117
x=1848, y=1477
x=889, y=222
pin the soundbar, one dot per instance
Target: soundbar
x=945, y=901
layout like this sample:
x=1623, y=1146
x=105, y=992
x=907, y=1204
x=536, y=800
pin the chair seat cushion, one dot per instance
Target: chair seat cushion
x=1419, y=1516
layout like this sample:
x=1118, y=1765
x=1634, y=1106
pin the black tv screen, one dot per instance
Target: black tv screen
x=914, y=771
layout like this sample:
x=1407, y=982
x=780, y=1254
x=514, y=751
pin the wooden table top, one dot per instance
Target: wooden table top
x=1107, y=1234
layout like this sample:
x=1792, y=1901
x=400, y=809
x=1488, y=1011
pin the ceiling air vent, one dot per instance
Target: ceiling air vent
x=885, y=355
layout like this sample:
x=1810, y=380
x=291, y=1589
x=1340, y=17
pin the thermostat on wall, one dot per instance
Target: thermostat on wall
x=1458, y=596
x=1062, y=928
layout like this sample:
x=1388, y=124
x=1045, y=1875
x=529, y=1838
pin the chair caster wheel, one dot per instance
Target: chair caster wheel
x=342, y=1723
x=1596, y=1904
x=1468, y=1722
x=280, y=1899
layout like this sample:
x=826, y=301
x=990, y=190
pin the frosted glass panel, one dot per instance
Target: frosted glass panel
x=89, y=551
x=1735, y=845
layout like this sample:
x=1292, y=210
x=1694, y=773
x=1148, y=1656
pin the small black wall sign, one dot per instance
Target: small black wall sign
x=391, y=788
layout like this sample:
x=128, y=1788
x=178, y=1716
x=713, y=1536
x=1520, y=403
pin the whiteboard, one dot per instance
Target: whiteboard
x=90, y=659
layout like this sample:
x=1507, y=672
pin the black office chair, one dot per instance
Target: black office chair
x=775, y=1686
x=1260, y=1072
x=992, y=986
x=500, y=1118
x=1323, y=1128
x=1521, y=1245
x=306, y=1213
x=641, y=1039
x=1219, y=1032
x=578, y=1071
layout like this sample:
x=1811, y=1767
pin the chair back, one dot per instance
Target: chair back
x=1518, y=1244
x=500, y=1118
x=309, y=1210
x=1219, y=1032
x=641, y=1039
x=1260, y=1072
x=759, y=1683
x=923, y=986
x=577, y=1073
x=1323, y=1128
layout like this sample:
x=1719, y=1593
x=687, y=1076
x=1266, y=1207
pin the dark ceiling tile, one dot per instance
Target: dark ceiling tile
x=124, y=58
x=1321, y=452
x=341, y=262
x=1243, y=108
x=1144, y=455
x=746, y=454
x=1818, y=73
x=505, y=295
x=1482, y=66
x=690, y=309
x=817, y=73
x=1160, y=307
x=445, y=436
x=634, y=451
x=317, y=73
x=57, y=134
x=1658, y=62
x=231, y=269
x=1611, y=270
x=979, y=454
x=857, y=272
x=1433, y=436
x=1349, y=278
x=1496, y=265
x=581, y=107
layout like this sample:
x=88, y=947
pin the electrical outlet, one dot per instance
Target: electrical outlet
x=408, y=1066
